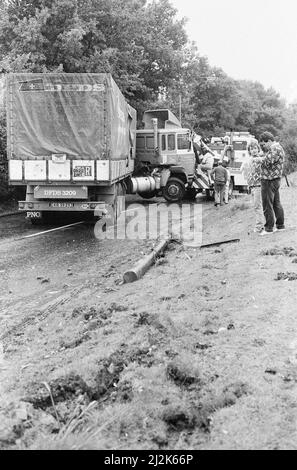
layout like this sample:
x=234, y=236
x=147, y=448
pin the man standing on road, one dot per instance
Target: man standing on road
x=271, y=171
x=220, y=177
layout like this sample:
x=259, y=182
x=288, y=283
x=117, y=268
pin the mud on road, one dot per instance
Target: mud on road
x=201, y=353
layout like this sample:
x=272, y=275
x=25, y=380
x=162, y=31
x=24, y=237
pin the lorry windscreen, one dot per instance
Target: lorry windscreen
x=240, y=145
x=183, y=142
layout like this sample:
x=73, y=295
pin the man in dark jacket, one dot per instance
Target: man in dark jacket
x=220, y=177
x=271, y=171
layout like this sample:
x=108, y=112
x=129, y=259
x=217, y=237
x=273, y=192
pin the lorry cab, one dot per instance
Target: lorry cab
x=174, y=147
x=164, y=155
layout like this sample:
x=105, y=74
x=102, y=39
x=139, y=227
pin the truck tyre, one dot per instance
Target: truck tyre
x=174, y=190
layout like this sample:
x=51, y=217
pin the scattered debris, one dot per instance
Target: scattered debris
x=290, y=377
x=286, y=251
x=222, y=329
x=171, y=354
x=124, y=392
x=181, y=374
x=286, y=276
x=64, y=344
x=146, y=318
x=26, y=366
x=114, y=307
x=238, y=389
x=184, y=419
x=259, y=342
x=270, y=371
x=62, y=388
x=210, y=332
x=90, y=314
x=202, y=346
x=232, y=240
x=109, y=374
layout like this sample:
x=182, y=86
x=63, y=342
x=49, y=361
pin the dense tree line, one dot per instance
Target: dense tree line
x=146, y=49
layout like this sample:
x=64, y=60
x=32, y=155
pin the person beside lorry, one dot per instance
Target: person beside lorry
x=206, y=164
x=271, y=172
x=254, y=182
x=220, y=177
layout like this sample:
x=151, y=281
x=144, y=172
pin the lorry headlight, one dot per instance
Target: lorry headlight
x=30, y=205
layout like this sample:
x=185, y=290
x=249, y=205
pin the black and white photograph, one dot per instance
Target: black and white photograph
x=148, y=220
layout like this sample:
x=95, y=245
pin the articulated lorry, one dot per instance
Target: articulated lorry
x=72, y=141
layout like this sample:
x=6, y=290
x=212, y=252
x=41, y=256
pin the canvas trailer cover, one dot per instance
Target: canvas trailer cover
x=70, y=128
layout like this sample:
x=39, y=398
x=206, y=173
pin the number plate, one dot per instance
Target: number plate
x=34, y=215
x=82, y=171
x=61, y=204
x=60, y=192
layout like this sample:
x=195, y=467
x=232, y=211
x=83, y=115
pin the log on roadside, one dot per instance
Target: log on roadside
x=143, y=265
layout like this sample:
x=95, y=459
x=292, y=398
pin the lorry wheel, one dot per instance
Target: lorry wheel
x=174, y=190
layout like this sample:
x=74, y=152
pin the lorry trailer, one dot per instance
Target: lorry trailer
x=70, y=141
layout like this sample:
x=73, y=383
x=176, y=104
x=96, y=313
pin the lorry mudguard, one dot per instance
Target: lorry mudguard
x=180, y=172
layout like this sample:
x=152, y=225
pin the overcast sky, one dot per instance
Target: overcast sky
x=248, y=39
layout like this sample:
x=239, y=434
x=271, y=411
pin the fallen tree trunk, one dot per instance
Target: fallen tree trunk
x=143, y=265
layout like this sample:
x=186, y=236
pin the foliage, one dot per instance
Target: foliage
x=139, y=43
x=146, y=49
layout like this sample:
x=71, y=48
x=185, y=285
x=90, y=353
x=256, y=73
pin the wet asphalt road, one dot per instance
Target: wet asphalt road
x=34, y=271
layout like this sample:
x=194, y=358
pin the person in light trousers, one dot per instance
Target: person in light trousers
x=220, y=176
x=254, y=182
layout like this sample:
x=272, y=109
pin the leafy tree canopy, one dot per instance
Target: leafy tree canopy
x=146, y=49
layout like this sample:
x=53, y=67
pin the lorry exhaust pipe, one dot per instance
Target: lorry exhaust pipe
x=155, y=129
